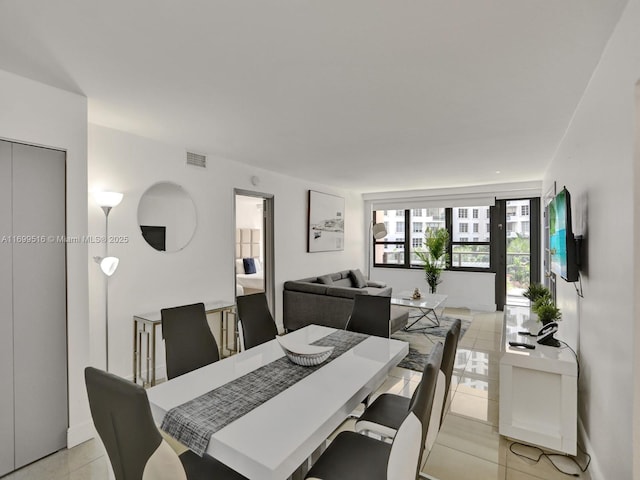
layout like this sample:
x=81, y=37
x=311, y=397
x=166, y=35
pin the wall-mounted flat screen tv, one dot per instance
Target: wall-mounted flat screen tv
x=562, y=244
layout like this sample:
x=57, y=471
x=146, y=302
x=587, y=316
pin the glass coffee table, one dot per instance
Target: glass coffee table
x=426, y=306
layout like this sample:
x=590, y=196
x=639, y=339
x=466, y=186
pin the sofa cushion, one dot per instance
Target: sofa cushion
x=373, y=283
x=343, y=282
x=345, y=292
x=325, y=280
x=383, y=292
x=306, y=287
x=358, y=279
x=399, y=317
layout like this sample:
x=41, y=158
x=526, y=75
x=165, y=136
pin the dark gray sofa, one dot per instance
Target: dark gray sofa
x=308, y=301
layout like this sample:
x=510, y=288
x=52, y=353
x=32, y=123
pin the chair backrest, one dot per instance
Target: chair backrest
x=122, y=416
x=370, y=315
x=405, y=458
x=188, y=340
x=257, y=324
x=443, y=383
x=449, y=359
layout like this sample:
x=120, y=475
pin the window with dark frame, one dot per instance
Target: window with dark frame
x=398, y=249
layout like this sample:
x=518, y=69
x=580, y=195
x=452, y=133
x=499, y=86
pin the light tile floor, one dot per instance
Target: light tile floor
x=468, y=445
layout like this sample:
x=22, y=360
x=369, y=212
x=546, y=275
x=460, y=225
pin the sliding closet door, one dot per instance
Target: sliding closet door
x=39, y=303
x=6, y=314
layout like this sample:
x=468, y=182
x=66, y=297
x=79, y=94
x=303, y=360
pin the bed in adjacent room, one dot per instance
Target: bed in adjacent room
x=249, y=272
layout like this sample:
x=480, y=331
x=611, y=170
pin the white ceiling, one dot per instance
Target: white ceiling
x=370, y=95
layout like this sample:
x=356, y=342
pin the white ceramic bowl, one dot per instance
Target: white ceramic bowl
x=303, y=354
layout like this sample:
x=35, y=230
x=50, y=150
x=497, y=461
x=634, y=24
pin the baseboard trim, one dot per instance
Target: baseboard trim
x=78, y=434
x=594, y=467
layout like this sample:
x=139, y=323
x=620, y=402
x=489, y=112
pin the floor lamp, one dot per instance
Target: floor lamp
x=378, y=231
x=108, y=265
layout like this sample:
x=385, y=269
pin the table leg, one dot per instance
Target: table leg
x=135, y=351
x=148, y=360
x=139, y=346
x=424, y=313
x=153, y=355
x=222, y=333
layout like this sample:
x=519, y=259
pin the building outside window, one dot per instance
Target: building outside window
x=435, y=213
x=466, y=254
x=407, y=230
x=524, y=210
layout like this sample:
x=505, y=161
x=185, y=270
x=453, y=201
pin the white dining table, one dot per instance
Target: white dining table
x=271, y=441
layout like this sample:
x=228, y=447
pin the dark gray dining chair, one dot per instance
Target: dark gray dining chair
x=188, y=340
x=370, y=315
x=358, y=457
x=255, y=321
x=122, y=417
x=386, y=413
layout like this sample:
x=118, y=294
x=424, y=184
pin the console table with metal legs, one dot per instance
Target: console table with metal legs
x=145, y=335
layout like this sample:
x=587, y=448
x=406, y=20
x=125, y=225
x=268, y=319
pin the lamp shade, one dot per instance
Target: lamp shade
x=379, y=231
x=107, y=199
x=108, y=265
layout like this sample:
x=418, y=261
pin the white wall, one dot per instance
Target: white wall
x=596, y=163
x=34, y=113
x=247, y=213
x=148, y=280
x=474, y=290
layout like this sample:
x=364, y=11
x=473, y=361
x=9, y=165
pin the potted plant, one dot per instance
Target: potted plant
x=436, y=257
x=548, y=312
x=536, y=291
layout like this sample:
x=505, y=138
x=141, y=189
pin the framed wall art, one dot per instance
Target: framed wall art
x=325, y=222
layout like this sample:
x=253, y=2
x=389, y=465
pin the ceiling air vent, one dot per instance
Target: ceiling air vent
x=196, y=159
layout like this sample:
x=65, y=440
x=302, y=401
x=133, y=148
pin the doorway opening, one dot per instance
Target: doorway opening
x=253, y=254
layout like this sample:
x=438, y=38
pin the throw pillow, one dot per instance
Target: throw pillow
x=358, y=278
x=249, y=265
x=256, y=261
x=239, y=266
x=325, y=280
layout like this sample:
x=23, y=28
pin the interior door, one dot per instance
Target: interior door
x=6, y=314
x=39, y=303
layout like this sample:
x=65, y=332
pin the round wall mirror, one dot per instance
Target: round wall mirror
x=167, y=217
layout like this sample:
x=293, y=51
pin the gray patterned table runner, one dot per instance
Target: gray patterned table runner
x=193, y=422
